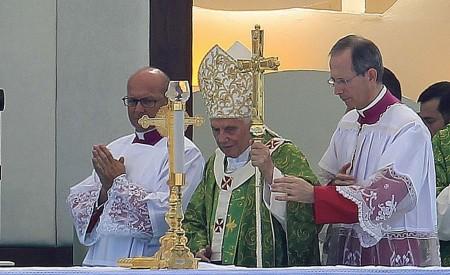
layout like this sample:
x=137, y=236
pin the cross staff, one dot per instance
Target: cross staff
x=257, y=65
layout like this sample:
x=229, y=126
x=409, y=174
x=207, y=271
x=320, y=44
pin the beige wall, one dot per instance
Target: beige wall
x=413, y=36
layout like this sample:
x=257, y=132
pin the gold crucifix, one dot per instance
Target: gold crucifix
x=170, y=121
x=257, y=65
x=160, y=121
x=163, y=122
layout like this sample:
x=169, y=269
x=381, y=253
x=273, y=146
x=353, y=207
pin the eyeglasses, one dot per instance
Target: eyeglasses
x=146, y=102
x=340, y=81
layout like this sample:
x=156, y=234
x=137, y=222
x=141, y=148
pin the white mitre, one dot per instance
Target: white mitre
x=226, y=91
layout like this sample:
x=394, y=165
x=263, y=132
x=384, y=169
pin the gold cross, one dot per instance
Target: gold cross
x=257, y=65
x=161, y=120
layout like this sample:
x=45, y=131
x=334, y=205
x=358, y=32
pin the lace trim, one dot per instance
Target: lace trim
x=392, y=174
x=353, y=258
x=82, y=205
x=126, y=212
x=369, y=204
x=393, y=235
x=399, y=248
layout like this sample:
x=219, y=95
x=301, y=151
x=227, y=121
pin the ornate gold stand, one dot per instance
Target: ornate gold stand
x=173, y=253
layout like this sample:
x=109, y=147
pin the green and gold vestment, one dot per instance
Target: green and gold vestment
x=235, y=220
x=441, y=151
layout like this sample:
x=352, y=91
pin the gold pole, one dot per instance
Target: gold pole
x=257, y=65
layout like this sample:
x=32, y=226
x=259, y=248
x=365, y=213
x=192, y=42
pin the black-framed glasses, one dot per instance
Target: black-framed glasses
x=340, y=81
x=146, y=102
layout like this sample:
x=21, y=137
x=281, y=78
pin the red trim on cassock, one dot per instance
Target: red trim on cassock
x=332, y=207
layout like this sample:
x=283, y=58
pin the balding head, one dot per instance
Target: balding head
x=147, y=85
x=148, y=75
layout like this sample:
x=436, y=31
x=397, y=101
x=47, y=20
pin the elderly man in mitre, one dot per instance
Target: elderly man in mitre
x=221, y=220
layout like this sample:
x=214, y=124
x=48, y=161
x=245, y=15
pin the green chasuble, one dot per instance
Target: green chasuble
x=221, y=214
x=441, y=151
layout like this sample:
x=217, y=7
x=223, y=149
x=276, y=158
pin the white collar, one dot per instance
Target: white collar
x=235, y=163
x=375, y=101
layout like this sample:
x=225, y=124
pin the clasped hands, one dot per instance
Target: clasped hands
x=297, y=189
x=107, y=168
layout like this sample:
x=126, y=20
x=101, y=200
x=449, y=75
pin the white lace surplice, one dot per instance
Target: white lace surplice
x=394, y=167
x=133, y=217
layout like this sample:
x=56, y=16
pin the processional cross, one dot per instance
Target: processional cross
x=170, y=121
x=257, y=65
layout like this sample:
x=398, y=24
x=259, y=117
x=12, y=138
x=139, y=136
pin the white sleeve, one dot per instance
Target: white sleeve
x=126, y=211
x=443, y=214
x=81, y=201
x=393, y=190
x=276, y=207
x=193, y=167
x=339, y=152
x=158, y=202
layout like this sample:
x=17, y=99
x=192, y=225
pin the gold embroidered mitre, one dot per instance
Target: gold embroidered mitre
x=226, y=91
